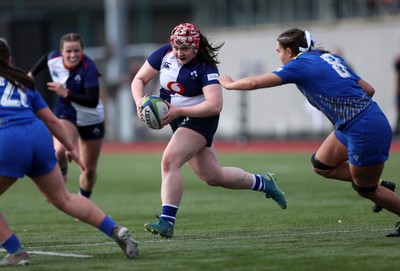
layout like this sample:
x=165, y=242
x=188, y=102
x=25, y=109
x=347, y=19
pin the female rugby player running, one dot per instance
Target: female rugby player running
x=27, y=149
x=78, y=106
x=357, y=149
x=188, y=76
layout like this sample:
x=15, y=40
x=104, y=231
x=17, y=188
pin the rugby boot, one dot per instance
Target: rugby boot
x=161, y=227
x=272, y=190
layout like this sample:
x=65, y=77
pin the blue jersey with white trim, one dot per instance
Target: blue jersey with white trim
x=328, y=84
x=17, y=106
x=84, y=75
x=182, y=85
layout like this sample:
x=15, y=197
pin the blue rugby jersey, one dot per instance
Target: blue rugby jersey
x=182, y=85
x=328, y=84
x=84, y=75
x=16, y=106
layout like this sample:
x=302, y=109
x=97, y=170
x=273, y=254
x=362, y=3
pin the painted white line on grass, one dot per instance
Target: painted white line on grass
x=183, y=238
x=277, y=235
x=51, y=253
x=73, y=245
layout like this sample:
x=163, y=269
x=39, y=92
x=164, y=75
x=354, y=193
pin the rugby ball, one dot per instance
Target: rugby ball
x=153, y=109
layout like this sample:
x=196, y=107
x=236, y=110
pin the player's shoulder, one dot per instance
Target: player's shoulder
x=159, y=56
x=88, y=60
x=207, y=68
x=53, y=55
x=88, y=63
x=165, y=48
x=162, y=51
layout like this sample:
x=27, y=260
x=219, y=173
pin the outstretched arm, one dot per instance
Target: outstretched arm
x=252, y=82
x=39, y=66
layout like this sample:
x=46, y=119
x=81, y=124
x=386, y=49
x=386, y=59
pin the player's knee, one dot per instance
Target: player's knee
x=170, y=164
x=60, y=153
x=319, y=167
x=364, y=191
x=211, y=180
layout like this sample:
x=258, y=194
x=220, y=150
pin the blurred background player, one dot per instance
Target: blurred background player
x=396, y=130
x=188, y=77
x=78, y=105
x=358, y=147
x=27, y=149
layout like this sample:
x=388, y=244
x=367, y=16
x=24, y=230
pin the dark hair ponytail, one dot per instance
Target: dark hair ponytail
x=207, y=51
x=296, y=40
x=14, y=75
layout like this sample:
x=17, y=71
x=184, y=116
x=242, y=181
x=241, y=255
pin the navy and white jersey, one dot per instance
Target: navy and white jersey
x=182, y=85
x=83, y=76
x=18, y=107
x=328, y=84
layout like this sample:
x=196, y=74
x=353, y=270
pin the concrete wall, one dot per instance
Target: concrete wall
x=369, y=46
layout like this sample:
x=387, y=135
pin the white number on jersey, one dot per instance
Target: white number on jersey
x=10, y=98
x=336, y=65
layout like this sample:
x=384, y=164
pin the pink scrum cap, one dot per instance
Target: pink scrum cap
x=185, y=34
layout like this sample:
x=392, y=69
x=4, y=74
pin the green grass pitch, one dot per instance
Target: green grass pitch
x=216, y=229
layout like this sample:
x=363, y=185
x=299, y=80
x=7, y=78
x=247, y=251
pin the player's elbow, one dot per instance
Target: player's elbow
x=217, y=109
x=371, y=92
x=255, y=84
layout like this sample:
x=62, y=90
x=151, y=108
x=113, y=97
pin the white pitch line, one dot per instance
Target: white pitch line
x=73, y=245
x=276, y=235
x=51, y=253
x=184, y=238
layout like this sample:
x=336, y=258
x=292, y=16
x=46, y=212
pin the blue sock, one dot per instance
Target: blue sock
x=107, y=226
x=168, y=213
x=258, y=184
x=12, y=244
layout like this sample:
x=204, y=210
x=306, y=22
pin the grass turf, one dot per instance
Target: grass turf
x=216, y=229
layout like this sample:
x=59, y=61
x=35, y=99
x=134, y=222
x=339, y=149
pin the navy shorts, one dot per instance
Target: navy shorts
x=92, y=132
x=206, y=126
x=89, y=132
x=26, y=150
x=367, y=138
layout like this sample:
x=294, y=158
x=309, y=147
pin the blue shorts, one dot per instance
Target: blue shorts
x=205, y=126
x=367, y=138
x=26, y=149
